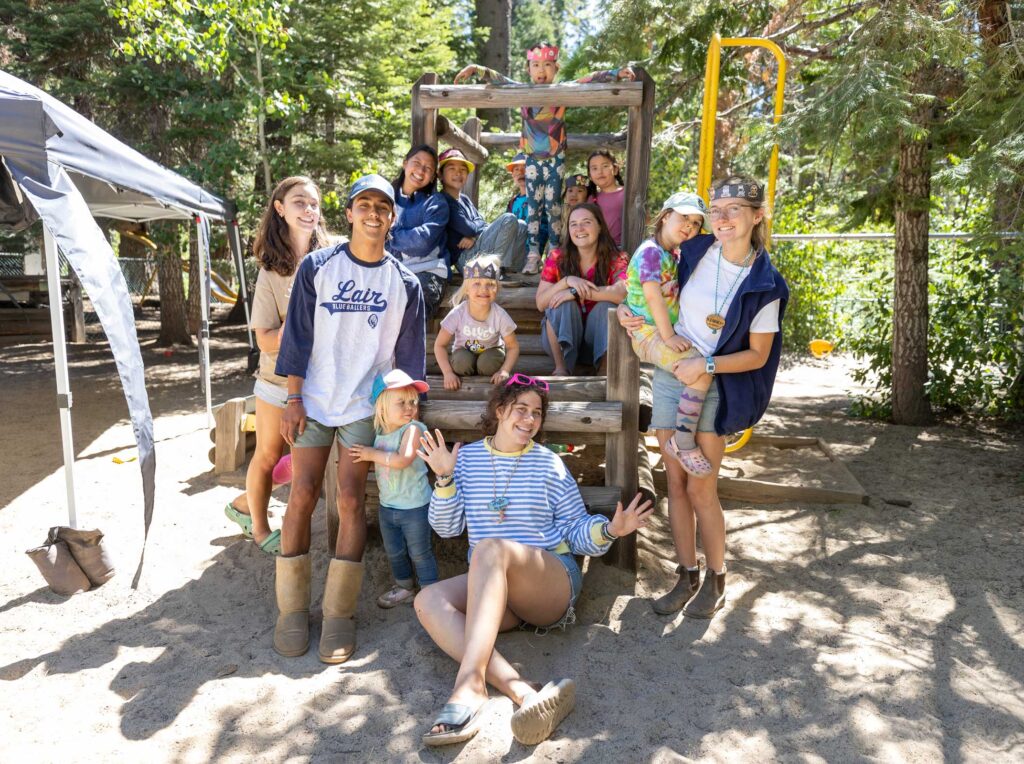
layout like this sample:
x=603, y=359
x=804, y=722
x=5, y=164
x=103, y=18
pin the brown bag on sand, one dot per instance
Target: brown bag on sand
x=88, y=550
x=59, y=568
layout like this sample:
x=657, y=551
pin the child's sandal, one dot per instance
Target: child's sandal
x=692, y=460
x=396, y=596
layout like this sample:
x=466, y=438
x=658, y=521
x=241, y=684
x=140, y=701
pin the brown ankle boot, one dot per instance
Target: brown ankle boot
x=709, y=599
x=686, y=587
x=338, y=637
x=291, y=635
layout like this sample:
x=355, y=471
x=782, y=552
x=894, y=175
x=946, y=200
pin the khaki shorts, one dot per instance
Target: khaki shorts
x=315, y=435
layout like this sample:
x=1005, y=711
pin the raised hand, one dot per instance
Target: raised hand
x=636, y=515
x=465, y=74
x=435, y=453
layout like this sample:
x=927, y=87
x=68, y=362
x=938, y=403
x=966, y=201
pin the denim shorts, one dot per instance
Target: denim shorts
x=665, y=390
x=275, y=395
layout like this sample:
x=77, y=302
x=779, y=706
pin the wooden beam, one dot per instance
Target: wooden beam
x=595, y=439
x=463, y=141
x=229, y=442
x=638, y=164
x=472, y=127
x=621, y=458
x=563, y=416
x=424, y=129
x=616, y=94
x=562, y=388
x=582, y=142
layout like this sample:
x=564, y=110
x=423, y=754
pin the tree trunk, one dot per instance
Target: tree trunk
x=173, y=326
x=195, y=280
x=910, y=285
x=495, y=15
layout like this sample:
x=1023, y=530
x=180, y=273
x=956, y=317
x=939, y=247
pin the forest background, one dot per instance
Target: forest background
x=902, y=116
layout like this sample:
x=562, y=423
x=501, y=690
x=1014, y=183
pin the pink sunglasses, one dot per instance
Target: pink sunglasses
x=525, y=381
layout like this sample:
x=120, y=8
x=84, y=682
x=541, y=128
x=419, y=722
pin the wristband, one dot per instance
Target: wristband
x=446, y=479
x=294, y=397
x=608, y=535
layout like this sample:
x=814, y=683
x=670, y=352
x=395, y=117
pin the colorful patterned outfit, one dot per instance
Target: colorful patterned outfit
x=543, y=142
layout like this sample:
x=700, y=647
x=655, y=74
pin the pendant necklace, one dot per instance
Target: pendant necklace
x=500, y=503
x=716, y=320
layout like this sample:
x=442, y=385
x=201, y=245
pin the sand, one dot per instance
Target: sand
x=851, y=632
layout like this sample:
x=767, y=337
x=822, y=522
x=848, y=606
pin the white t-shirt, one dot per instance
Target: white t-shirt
x=697, y=301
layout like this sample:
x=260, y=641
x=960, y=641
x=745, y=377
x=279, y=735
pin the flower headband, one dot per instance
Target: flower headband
x=477, y=270
x=543, y=53
x=751, y=192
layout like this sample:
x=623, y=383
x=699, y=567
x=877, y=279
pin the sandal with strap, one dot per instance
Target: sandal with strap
x=693, y=459
x=395, y=596
x=462, y=723
x=244, y=521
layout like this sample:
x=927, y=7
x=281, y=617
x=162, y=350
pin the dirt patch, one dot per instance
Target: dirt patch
x=851, y=632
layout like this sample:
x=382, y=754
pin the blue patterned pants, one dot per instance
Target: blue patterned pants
x=543, y=199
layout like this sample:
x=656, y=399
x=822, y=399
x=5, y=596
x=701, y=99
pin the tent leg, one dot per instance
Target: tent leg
x=235, y=241
x=203, y=246
x=60, y=357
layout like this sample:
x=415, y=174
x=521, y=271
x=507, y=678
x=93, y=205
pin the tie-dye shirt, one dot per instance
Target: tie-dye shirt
x=552, y=274
x=652, y=263
x=543, y=132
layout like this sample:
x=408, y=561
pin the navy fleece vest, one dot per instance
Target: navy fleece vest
x=744, y=396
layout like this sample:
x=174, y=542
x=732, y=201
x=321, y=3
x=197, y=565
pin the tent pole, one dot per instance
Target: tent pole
x=60, y=358
x=243, y=289
x=203, y=247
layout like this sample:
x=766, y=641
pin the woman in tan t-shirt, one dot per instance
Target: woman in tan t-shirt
x=291, y=228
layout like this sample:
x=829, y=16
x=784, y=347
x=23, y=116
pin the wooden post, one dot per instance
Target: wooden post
x=76, y=326
x=229, y=438
x=423, y=128
x=638, y=164
x=472, y=128
x=621, y=458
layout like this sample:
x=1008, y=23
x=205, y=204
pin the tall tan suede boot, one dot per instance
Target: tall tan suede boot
x=291, y=635
x=338, y=637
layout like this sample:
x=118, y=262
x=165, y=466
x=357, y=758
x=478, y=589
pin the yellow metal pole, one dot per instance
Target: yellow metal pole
x=710, y=115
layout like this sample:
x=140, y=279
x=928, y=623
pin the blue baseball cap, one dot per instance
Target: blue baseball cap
x=371, y=182
x=391, y=380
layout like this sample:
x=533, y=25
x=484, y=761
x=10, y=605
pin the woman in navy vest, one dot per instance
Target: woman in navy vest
x=731, y=301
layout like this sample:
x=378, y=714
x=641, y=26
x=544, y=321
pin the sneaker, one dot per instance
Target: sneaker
x=395, y=597
x=532, y=266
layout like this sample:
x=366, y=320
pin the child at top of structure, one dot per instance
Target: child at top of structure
x=402, y=482
x=606, y=190
x=652, y=291
x=543, y=141
x=481, y=332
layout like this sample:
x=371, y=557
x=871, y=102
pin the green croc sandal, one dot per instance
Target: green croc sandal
x=244, y=521
x=272, y=544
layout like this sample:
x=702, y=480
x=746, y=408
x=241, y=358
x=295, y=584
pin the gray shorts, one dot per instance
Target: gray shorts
x=665, y=390
x=275, y=395
x=315, y=435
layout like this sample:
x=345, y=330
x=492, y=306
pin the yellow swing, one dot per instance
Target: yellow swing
x=709, y=117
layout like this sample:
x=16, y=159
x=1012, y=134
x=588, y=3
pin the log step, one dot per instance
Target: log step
x=563, y=416
x=510, y=298
x=527, y=364
x=529, y=344
x=562, y=389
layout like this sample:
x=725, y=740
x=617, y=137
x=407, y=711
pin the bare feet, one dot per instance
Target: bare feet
x=560, y=371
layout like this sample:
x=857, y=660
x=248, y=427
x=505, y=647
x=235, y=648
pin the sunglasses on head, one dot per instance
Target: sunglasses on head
x=525, y=381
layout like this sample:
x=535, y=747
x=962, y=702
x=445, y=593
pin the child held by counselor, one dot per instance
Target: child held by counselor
x=652, y=291
x=402, y=483
x=480, y=332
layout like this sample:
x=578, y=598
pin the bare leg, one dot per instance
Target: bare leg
x=556, y=352
x=351, y=507
x=681, y=517
x=258, y=483
x=504, y=576
x=308, y=463
x=703, y=495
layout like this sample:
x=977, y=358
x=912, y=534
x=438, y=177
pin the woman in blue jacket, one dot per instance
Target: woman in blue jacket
x=418, y=235
x=731, y=302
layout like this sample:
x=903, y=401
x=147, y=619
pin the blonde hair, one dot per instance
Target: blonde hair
x=483, y=261
x=380, y=422
x=760, y=237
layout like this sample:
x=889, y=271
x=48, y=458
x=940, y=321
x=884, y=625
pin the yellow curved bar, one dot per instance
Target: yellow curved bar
x=734, y=443
x=710, y=113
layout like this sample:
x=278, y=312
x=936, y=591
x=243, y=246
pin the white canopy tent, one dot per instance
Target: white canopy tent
x=59, y=167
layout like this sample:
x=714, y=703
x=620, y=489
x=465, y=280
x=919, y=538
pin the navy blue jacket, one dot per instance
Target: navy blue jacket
x=464, y=219
x=419, y=233
x=744, y=396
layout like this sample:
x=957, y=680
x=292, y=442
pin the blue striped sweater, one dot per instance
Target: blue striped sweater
x=545, y=507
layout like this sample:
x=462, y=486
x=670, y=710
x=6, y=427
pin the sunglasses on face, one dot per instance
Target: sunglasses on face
x=525, y=381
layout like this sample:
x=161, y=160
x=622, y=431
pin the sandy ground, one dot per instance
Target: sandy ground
x=851, y=633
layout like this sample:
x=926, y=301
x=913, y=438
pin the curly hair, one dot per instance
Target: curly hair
x=569, y=262
x=503, y=396
x=272, y=245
